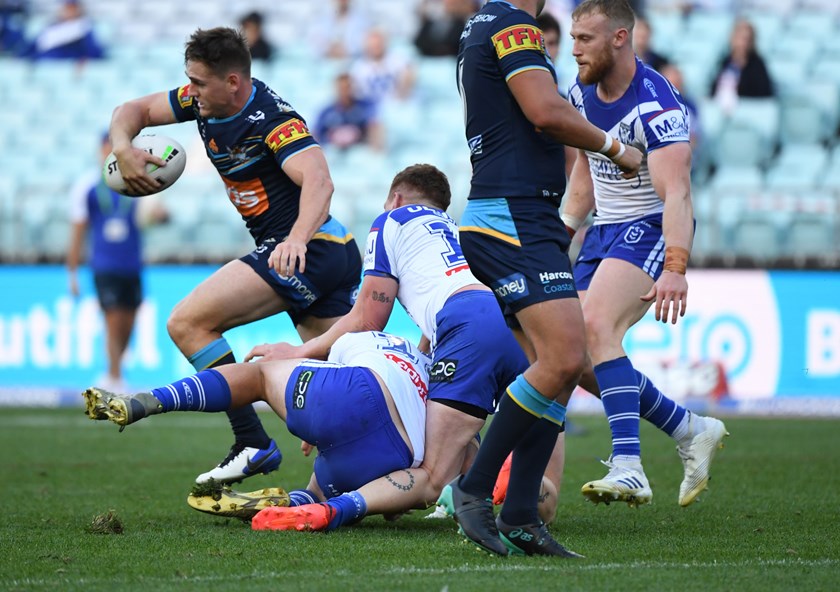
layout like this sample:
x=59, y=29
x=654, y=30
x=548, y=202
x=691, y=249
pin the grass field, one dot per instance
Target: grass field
x=769, y=522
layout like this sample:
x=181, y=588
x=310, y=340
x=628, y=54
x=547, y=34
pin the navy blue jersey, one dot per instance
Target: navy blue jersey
x=510, y=157
x=248, y=149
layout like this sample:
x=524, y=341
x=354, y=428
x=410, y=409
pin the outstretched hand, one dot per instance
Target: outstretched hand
x=670, y=293
x=273, y=351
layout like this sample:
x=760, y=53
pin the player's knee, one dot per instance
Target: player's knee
x=177, y=325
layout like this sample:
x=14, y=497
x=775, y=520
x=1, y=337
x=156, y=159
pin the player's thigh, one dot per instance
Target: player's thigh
x=613, y=301
x=556, y=330
x=448, y=432
x=311, y=326
x=232, y=296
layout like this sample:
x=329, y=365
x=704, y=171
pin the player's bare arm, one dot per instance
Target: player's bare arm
x=580, y=194
x=308, y=169
x=370, y=313
x=128, y=120
x=670, y=172
x=536, y=94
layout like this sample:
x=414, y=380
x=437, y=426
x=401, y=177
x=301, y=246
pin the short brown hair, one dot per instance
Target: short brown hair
x=428, y=181
x=619, y=12
x=221, y=49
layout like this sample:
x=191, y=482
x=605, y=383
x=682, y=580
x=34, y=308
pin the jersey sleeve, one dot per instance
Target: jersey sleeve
x=288, y=135
x=183, y=105
x=519, y=45
x=377, y=262
x=668, y=124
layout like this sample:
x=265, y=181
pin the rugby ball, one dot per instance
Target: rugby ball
x=167, y=149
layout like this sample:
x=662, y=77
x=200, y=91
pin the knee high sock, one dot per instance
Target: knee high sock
x=206, y=391
x=247, y=428
x=520, y=408
x=658, y=409
x=620, y=396
x=530, y=457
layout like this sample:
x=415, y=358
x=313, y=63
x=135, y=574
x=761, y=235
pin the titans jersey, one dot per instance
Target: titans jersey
x=510, y=157
x=418, y=246
x=248, y=149
x=649, y=115
x=402, y=367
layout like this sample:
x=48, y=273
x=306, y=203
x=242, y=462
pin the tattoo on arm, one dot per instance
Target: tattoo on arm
x=380, y=297
x=402, y=487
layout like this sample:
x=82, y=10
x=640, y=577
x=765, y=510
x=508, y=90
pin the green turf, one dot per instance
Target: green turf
x=769, y=521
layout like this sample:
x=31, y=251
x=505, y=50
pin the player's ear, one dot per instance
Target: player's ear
x=621, y=37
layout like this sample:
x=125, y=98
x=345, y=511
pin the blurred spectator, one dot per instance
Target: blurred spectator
x=70, y=36
x=340, y=33
x=380, y=75
x=13, y=15
x=674, y=75
x=112, y=223
x=252, y=26
x=441, y=25
x=742, y=72
x=642, y=33
x=348, y=120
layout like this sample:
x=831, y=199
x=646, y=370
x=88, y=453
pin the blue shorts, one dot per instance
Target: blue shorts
x=342, y=411
x=639, y=242
x=520, y=248
x=330, y=284
x=116, y=290
x=476, y=356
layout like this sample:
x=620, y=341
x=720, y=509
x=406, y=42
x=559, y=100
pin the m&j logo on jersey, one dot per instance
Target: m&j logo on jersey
x=670, y=126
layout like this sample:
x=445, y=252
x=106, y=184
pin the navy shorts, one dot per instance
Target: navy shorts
x=117, y=290
x=520, y=248
x=639, y=242
x=342, y=411
x=476, y=356
x=330, y=284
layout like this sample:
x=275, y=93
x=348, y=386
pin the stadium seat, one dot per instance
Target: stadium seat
x=711, y=26
x=812, y=235
x=737, y=179
x=740, y=145
x=758, y=238
x=797, y=167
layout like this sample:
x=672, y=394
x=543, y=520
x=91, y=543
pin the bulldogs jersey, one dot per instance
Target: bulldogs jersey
x=649, y=115
x=403, y=368
x=248, y=149
x=510, y=158
x=418, y=246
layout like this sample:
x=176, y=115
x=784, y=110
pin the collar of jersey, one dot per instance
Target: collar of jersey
x=238, y=113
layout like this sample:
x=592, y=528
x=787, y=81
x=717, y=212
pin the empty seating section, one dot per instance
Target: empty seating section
x=767, y=182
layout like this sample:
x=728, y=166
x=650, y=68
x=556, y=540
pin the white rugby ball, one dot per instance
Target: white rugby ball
x=167, y=149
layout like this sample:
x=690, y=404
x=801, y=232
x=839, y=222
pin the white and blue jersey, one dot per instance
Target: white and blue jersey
x=651, y=114
x=418, y=246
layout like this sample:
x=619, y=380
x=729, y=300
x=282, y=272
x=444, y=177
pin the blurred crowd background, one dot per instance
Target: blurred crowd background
x=375, y=80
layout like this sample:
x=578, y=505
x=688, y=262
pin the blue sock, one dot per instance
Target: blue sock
x=657, y=408
x=530, y=457
x=349, y=508
x=300, y=497
x=620, y=396
x=520, y=408
x=206, y=391
x=244, y=421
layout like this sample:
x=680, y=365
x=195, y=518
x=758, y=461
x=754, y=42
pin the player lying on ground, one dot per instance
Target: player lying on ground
x=363, y=408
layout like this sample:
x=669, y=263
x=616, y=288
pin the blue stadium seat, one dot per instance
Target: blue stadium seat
x=812, y=235
x=739, y=145
x=797, y=167
x=758, y=238
x=737, y=178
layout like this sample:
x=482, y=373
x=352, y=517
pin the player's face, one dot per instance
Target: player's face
x=213, y=94
x=592, y=47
